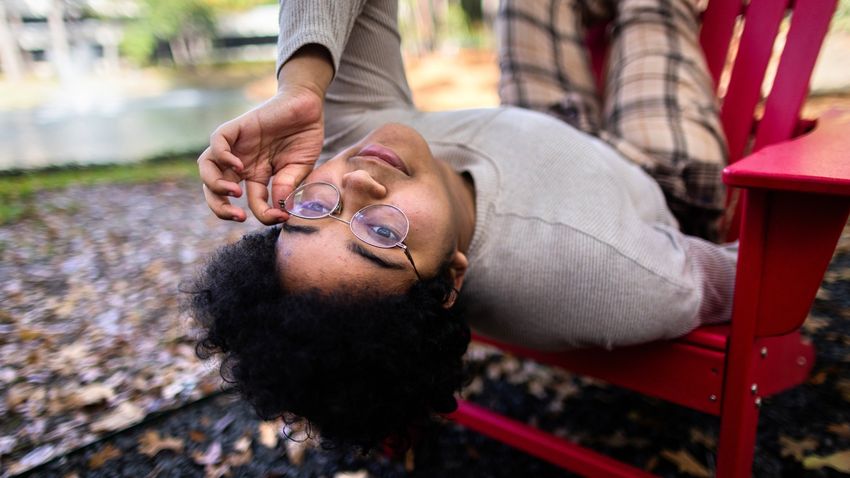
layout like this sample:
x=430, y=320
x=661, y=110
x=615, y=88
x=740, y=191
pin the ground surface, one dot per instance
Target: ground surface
x=140, y=356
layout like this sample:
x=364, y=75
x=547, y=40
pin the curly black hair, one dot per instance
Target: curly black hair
x=360, y=368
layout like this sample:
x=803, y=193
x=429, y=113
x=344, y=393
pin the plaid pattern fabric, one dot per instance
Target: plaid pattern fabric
x=658, y=109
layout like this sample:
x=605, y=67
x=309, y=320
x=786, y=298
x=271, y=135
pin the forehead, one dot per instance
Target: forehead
x=331, y=258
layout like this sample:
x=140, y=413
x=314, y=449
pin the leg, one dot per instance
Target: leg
x=543, y=60
x=660, y=100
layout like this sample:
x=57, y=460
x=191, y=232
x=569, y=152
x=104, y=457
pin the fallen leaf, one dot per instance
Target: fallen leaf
x=242, y=444
x=818, y=378
x=352, y=474
x=268, y=434
x=124, y=415
x=701, y=438
x=796, y=448
x=90, y=395
x=240, y=458
x=150, y=444
x=840, y=429
x=103, y=455
x=216, y=471
x=686, y=463
x=409, y=461
x=211, y=457
x=837, y=461
x=814, y=323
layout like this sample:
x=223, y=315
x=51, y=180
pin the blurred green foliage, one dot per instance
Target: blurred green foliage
x=841, y=20
x=169, y=21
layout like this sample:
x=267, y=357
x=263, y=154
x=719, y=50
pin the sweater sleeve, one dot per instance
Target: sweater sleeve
x=324, y=22
x=364, y=43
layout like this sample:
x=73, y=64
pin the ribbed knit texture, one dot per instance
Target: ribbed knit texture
x=573, y=245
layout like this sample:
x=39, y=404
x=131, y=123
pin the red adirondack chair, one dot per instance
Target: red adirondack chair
x=794, y=203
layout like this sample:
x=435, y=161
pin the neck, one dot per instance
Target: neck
x=462, y=192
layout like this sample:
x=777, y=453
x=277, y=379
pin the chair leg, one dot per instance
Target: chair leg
x=739, y=412
x=738, y=426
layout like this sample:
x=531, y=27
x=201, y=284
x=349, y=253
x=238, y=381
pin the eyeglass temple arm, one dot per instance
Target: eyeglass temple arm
x=410, y=258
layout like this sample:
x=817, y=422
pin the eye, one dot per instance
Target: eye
x=315, y=207
x=384, y=234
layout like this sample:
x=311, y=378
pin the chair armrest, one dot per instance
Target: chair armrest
x=818, y=162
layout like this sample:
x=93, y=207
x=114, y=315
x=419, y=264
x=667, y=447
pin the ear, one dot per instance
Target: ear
x=457, y=268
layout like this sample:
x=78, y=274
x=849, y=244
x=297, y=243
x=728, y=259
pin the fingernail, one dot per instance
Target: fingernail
x=235, y=218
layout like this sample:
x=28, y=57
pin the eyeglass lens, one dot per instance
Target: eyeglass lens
x=380, y=225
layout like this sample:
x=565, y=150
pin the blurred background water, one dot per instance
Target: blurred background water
x=114, y=129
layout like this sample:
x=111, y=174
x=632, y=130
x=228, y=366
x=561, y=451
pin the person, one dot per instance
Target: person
x=352, y=311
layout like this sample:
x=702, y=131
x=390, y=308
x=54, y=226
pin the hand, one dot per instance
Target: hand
x=279, y=140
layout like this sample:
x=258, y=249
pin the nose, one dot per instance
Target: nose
x=363, y=186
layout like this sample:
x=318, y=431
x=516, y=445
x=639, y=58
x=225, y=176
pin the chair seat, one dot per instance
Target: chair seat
x=687, y=371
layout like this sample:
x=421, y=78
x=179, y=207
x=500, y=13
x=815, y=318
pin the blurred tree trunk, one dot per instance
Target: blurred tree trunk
x=60, y=54
x=10, y=54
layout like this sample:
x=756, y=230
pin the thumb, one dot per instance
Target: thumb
x=287, y=179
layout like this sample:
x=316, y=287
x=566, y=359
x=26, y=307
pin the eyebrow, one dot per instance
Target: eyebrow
x=353, y=246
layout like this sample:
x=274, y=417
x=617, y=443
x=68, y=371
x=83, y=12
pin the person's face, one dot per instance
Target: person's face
x=324, y=254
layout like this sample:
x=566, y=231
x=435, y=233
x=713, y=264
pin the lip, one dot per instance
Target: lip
x=386, y=155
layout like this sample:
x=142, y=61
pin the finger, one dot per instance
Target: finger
x=287, y=179
x=220, y=142
x=221, y=207
x=258, y=201
x=215, y=179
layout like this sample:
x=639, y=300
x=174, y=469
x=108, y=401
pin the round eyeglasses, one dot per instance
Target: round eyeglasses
x=379, y=225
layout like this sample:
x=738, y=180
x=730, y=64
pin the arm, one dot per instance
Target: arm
x=364, y=44
x=277, y=141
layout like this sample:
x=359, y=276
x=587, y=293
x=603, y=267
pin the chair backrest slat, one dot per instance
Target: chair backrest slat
x=718, y=23
x=761, y=26
x=809, y=24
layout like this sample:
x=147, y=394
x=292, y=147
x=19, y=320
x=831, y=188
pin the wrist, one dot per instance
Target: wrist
x=310, y=67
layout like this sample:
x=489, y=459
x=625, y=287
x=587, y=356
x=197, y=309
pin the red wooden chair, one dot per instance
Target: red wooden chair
x=794, y=203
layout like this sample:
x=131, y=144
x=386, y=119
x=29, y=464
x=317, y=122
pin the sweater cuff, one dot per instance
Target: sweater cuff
x=286, y=48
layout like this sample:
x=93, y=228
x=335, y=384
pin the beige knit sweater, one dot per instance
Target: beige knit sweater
x=573, y=245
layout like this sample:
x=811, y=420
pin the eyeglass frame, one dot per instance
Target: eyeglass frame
x=337, y=209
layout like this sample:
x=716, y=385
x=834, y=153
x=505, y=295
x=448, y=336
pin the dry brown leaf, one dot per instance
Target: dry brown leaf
x=409, y=461
x=242, y=444
x=151, y=443
x=103, y=455
x=840, y=429
x=268, y=434
x=124, y=415
x=700, y=438
x=211, y=457
x=837, y=461
x=796, y=448
x=352, y=474
x=818, y=378
x=814, y=323
x=90, y=395
x=240, y=458
x=686, y=463
x=197, y=436
x=217, y=471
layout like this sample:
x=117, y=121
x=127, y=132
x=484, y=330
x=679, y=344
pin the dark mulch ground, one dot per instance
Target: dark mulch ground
x=796, y=426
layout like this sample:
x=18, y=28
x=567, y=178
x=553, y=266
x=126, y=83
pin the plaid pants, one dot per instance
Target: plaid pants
x=658, y=107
